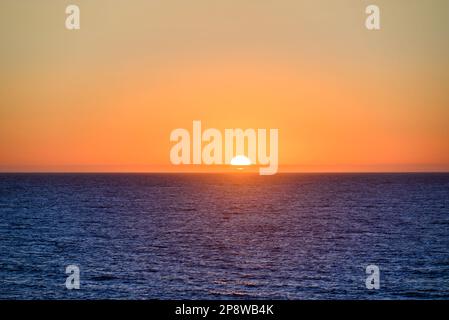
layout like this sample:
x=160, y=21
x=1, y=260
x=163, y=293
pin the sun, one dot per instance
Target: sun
x=240, y=161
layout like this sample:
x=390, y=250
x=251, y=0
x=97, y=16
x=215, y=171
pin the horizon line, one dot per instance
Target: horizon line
x=220, y=172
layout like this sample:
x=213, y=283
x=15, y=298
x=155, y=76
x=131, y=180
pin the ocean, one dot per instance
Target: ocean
x=224, y=236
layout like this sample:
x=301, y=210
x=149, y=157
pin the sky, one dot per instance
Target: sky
x=106, y=97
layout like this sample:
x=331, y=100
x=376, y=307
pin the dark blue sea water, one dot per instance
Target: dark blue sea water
x=226, y=236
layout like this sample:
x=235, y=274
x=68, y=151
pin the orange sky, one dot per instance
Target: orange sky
x=106, y=97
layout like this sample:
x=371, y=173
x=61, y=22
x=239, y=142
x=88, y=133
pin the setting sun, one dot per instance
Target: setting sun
x=240, y=161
